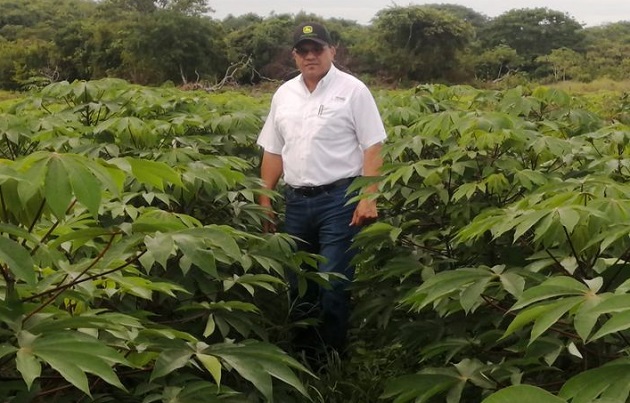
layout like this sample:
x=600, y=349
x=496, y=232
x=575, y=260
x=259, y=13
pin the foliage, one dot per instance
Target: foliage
x=501, y=259
x=133, y=266
x=178, y=41
x=566, y=63
x=533, y=32
x=421, y=41
x=169, y=46
x=497, y=62
x=607, y=50
x=467, y=14
x=267, y=42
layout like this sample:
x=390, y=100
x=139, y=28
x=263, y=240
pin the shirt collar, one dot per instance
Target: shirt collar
x=332, y=72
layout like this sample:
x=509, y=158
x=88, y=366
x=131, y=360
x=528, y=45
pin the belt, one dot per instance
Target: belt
x=310, y=191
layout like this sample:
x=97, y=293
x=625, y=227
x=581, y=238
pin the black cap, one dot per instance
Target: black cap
x=311, y=31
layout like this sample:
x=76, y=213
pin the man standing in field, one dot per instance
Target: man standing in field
x=323, y=131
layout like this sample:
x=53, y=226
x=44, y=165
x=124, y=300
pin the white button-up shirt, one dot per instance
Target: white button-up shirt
x=321, y=135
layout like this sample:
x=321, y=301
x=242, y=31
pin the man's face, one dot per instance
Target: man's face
x=313, y=59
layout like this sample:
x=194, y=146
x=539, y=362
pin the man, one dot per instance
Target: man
x=323, y=130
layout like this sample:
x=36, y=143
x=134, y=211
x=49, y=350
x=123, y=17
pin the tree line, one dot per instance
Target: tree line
x=156, y=41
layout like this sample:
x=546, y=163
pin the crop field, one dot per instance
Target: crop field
x=134, y=265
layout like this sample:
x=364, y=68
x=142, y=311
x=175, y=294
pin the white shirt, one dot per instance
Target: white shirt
x=321, y=135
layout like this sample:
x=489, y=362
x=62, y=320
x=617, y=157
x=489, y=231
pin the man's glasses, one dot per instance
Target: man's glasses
x=303, y=51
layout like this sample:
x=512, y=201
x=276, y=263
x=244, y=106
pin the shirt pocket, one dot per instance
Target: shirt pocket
x=289, y=122
x=331, y=110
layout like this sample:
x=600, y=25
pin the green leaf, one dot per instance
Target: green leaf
x=527, y=316
x=252, y=370
x=258, y=363
x=522, y=393
x=211, y=326
x=471, y=296
x=6, y=349
x=617, y=322
x=611, y=381
x=87, y=189
x=72, y=354
x=613, y=303
x=585, y=318
x=213, y=365
x=526, y=221
x=194, y=248
x=444, y=284
x=161, y=247
x=57, y=187
x=170, y=360
x=28, y=366
x=418, y=387
x=568, y=218
x=513, y=283
x=156, y=174
x=553, y=314
x=283, y=373
x=18, y=259
x=553, y=287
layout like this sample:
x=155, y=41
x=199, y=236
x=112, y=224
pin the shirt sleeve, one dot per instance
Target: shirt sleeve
x=367, y=119
x=270, y=138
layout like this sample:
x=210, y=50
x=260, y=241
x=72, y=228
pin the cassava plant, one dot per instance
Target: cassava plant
x=133, y=265
x=500, y=266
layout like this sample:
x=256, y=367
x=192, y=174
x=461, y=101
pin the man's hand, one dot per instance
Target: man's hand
x=269, y=224
x=270, y=172
x=365, y=212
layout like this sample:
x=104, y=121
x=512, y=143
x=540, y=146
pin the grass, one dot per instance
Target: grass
x=599, y=85
x=6, y=95
x=8, y=98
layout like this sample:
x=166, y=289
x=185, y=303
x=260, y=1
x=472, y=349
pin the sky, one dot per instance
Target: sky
x=588, y=12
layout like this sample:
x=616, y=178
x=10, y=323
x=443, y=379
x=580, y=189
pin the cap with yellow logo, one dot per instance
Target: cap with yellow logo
x=311, y=31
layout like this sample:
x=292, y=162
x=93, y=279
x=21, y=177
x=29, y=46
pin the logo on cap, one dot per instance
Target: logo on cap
x=307, y=29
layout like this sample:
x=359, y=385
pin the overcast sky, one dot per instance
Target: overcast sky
x=589, y=12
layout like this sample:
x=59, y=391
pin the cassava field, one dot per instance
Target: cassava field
x=134, y=267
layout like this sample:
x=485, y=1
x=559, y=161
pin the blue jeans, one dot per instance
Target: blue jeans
x=321, y=222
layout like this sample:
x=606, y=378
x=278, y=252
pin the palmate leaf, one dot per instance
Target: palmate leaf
x=448, y=283
x=617, y=322
x=155, y=220
x=610, y=382
x=212, y=364
x=550, y=288
x=523, y=393
x=194, y=391
x=153, y=173
x=586, y=317
x=18, y=260
x=170, y=360
x=59, y=177
x=47, y=323
x=87, y=188
x=28, y=365
x=419, y=388
x=57, y=188
x=72, y=354
x=258, y=362
x=130, y=131
x=249, y=281
x=554, y=312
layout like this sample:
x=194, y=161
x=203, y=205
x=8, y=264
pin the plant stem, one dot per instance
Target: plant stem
x=88, y=278
x=65, y=287
x=51, y=229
